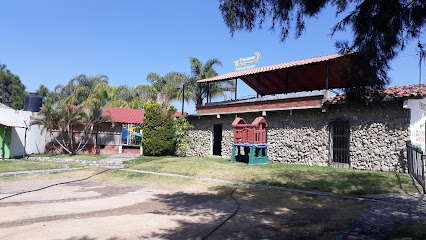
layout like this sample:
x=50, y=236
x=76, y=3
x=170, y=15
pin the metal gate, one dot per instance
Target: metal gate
x=339, y=142
x=416, y=164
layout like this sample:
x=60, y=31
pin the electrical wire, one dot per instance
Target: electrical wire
x=56, y=184
x=224, y=221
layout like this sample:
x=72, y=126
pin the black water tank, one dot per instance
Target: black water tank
x=33, y=102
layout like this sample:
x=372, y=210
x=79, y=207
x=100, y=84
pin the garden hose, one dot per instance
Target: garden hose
x=56, y=184
x=224, y=221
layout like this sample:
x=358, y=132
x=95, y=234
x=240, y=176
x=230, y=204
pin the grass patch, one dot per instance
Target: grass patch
x=25, y=165
x=274, y=214
x=326, y=179
x=140, y=160
x=87, y=157
x=415, y=231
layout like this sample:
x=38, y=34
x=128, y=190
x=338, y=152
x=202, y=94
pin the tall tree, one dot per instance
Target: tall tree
x=144, y=92
x=198, y=92
x=168, y=86
x=12, y=91
x=43, y=91
x=70, y=127
x=121, y=96
x=78, y=89
x=381, y=29
x=158, y=129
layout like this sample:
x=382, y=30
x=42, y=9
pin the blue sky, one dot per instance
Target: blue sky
x=51, y=41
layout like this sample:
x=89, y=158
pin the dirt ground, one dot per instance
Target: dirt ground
x=106, y=209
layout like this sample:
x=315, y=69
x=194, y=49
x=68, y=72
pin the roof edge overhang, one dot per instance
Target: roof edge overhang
x=251, y=111
x=322, y=93
x=273, y=68
x=11, y=124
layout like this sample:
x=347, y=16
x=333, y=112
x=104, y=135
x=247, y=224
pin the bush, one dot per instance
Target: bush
x=158, y=129
x=183, y=141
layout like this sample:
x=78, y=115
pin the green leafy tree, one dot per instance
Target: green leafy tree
x=121, y=96
x=12, y=91
x=90, y=118
x=71, y=128
x=78, y=89
x=199, y=91
x=158, y=129
x=381, y=29
x=168, y=87
x=43, y=91
x=145, y=92
x=184, y=141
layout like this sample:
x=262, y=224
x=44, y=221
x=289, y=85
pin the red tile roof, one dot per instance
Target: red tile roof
x=128, y=115
x=238, y=74
x=125, y=115
x=408, y=91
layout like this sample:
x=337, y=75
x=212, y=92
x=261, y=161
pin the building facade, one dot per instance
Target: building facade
x=307, y=126
x=20, y=138
x=369, y=137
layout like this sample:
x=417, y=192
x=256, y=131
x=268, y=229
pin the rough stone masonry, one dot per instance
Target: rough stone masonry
x=377, y=134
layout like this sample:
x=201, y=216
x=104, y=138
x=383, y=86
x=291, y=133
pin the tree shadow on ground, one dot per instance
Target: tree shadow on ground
x=263, y=215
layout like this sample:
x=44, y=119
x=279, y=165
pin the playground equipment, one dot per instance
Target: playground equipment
x=253, y=138
x=131, y=134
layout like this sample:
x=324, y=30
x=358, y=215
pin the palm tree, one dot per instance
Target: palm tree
x=198, y=92
x=144, y=91
x=67, y=119
x=167, y=87
x=79, y=88
x=90, y=118
x=51, y=120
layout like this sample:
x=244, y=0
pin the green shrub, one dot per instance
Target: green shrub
x=183, y=141
x=158, y=130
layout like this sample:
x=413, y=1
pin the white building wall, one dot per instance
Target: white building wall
x=34, y=140
x=417, y=121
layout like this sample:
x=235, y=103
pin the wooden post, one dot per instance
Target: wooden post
x=208, y=92
x=257, y=88
x=286, y=81
x=326, y=76
x=236, y=81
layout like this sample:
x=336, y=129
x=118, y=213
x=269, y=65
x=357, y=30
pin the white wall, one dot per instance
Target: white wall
x=35, y=139
x=417, y=121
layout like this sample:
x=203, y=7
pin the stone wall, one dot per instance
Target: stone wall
x=377, y=135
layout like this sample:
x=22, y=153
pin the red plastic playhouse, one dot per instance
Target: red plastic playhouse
x=253, y=138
